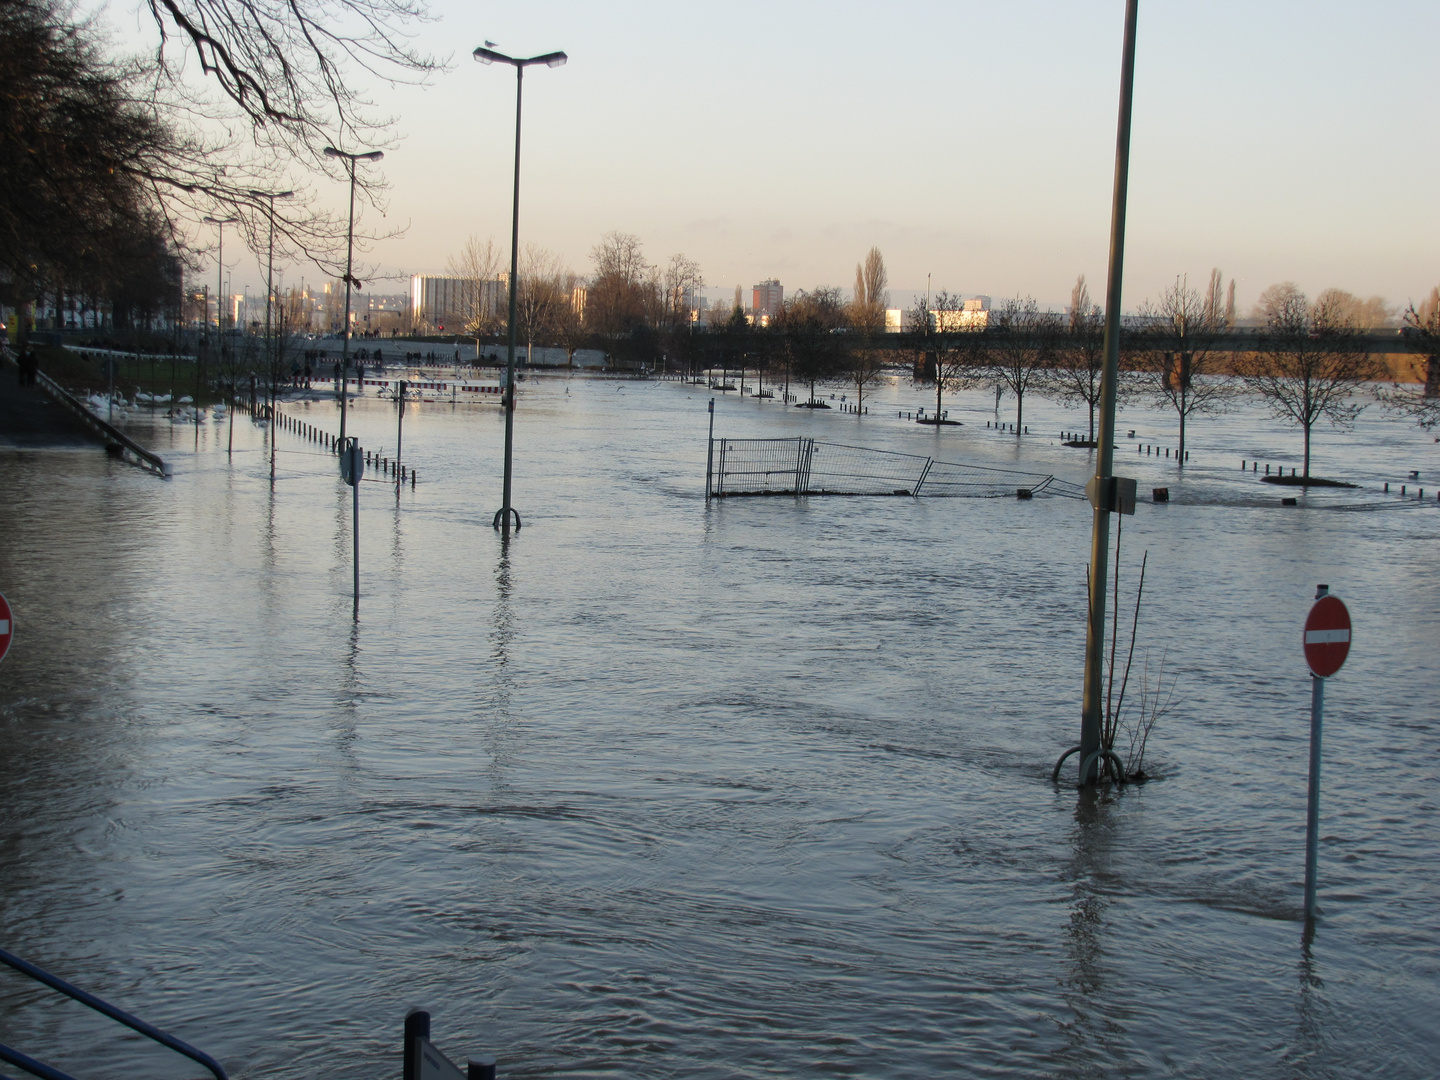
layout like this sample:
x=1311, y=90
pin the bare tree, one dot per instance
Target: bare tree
x=538, y=296
x=1180, y=350
x=1080, y=356
x=1310, y=362
x=1372, y=313
x=1423, y=402
x=1019, y=345
x=870, y=298
x=570, y=329
x=478, y=266
x=618, y=301
x=286, y=68
x=949, y=348
x=816, y=352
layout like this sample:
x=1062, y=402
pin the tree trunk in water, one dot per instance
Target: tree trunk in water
x=1307, y=452
x=1092, y=423
x=938, y=388
x=1181, y=453
x=1019, y=414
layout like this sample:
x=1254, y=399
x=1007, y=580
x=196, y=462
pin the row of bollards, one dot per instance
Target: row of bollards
x=1254, y=466
x=1419, y=492
x=998, y=426
x=856, y=409
x=1159, y=451
x=331, y=443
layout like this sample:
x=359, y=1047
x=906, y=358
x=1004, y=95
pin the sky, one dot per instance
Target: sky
x=972, y=143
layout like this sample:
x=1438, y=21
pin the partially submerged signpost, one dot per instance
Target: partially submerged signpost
x=424, y=1062
x=1327, y=644
x=352, y=470
x=7, y=626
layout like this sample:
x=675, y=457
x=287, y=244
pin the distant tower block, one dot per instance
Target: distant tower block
x=767, y=298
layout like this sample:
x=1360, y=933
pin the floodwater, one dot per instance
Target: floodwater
x=758, y=788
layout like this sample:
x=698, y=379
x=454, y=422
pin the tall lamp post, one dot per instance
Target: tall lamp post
x=350, y=160
x=1092, y=707
x=554, y=60
x=270, y=352
x=220, y=272
x=219, y=317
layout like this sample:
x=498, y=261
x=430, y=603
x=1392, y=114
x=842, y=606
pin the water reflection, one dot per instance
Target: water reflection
x=1094, y=1037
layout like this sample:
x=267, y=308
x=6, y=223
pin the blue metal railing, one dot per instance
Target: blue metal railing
x=38, y=1068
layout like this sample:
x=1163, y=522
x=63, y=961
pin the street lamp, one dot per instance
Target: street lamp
x=270, y=197
x=350, y=160
x=554, y=60
x=220, y=276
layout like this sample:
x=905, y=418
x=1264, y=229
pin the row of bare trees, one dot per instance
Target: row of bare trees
x=1307, y=363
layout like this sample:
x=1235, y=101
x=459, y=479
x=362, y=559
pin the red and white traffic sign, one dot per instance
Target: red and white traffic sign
x=7, y=626
x=1327, y=636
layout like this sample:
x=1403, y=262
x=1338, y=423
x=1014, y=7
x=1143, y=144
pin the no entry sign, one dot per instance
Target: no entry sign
x=7, y=626
x=1327, y=636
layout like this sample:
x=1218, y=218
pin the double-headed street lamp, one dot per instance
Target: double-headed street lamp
x=350, y=160
x=220, y=274
x=554, y=60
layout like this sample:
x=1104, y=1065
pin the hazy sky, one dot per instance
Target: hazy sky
x=1275, y=139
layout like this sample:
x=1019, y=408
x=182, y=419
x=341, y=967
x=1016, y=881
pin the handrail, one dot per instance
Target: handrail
x=148, y=459
x=91, y=1001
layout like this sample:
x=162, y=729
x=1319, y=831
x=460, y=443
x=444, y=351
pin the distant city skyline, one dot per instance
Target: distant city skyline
x=970, y=142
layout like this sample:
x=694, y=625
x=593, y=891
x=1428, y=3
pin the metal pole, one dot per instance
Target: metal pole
x=345, y=329
x=269, y=345
x=399, y=437
x=510, y=358
x=710, y=449
x=1312, y=810
x=1091, y=710
x=357, y=466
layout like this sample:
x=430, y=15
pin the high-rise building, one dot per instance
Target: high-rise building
x=767, y=298
x=456, y=304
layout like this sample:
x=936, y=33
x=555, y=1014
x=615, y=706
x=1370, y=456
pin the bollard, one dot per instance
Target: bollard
x=1267, y=470
x=1242, y=464
x=1402, y=489
x=480, y=1068
x=1387, y=485
x=412, y=479
x=1254, y=466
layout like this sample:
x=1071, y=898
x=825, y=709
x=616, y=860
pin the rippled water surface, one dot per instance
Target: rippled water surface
x=758, y=788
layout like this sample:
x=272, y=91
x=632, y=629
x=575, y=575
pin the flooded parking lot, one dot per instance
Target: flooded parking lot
x=758, y=787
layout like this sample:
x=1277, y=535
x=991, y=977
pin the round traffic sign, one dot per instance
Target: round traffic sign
x=1327, y=636
x=7, y=626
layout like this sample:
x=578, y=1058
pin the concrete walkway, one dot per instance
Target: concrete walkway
x=30, y=420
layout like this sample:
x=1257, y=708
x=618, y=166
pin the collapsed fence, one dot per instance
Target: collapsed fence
x=801, y=466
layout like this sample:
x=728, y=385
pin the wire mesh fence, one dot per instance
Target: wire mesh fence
x=802, y=466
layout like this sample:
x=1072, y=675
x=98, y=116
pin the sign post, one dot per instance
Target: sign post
x=7, y=626
x=710, y=450
x=1327, y=644
x=352, y=469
